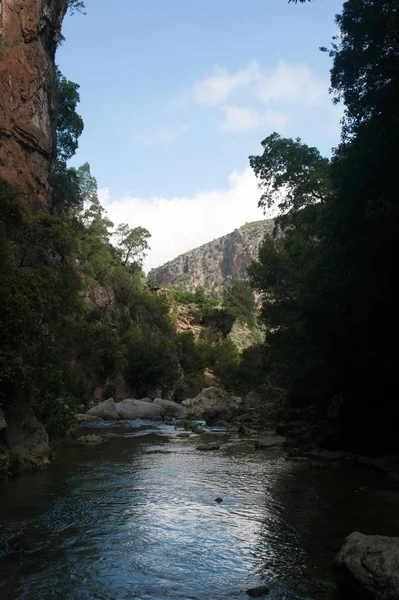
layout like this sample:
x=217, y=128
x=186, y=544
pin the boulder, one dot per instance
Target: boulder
x=138, y=409
x=183, y=435
x=270, y=442
x=212, y=404
x=265, y=399
x=91, y=439
x=367, y=567
x=172, y=409
x=105, y=410
x=85, y=418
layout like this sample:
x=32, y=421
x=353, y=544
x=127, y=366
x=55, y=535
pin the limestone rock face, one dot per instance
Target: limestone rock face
x=29, y=31
x=367, y=567
x=209, y=265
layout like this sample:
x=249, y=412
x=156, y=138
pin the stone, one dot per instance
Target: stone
x=105, y=410
x=172, y=409
x=213, y=404
x=91, y=439
x=25, y=437
x=367, y=567
x=85, y=418
x=138, y=409
x=218, y=499
x=208, y=447
x=183, y=435
x=29, y=33
x=270, y=442
x=261, y=590
x=3, y=422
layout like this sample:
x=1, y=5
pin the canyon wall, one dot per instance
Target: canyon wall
x=29, y=33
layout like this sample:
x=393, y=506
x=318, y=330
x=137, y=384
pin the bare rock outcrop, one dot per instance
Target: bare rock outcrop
x=212, y=263
x=367, y=567
x=29, y=32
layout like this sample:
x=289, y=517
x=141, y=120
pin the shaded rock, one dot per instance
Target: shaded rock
x=367, y=567
x=183, y=435
x=105, y=410
x=88, y=418
x=171, y=409
x=212, y=404
x=264, y=400
x=270, y=442
x=261, y=590
x=25, y=437
x=218, y=499
x=207, y=447
x=138, y=409
x=91, y=439
x=145, y=400
x=3, y=422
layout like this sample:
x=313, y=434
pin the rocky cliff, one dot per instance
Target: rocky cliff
x=211, y=264
x=29, y=32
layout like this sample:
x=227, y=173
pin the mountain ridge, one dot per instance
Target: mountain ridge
x=214, y=262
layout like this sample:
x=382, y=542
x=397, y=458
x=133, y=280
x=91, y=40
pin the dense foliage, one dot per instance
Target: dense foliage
x=328, y=274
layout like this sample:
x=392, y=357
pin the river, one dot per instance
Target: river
x=136, y=517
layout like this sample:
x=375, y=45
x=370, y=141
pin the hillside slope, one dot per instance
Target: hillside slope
x=213, y=263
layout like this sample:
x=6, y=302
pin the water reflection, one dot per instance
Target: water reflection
x=137, y=518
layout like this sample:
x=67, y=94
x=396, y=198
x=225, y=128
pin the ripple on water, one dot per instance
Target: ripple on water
x=137, y=518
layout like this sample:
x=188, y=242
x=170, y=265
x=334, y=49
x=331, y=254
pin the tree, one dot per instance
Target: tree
x=292, y=176
x=132, y=243
x=239, y=301
x=69, y=123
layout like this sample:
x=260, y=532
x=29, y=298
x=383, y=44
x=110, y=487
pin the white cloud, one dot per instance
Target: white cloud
x=163, y=136
x=241, y=118
x=180, y=224
x=295, y=84
x=216, y=88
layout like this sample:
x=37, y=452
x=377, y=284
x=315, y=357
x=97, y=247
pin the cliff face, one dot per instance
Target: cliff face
x=211, y=264
x=29, y=30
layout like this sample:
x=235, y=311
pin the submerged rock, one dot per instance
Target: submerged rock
x=207, y=447
x=183, y=435
x=367, y=567
x=261, y=590
x=270, y=442
x=91, y=439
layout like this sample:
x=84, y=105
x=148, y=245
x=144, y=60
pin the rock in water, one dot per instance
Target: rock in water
x=138, y=409
x=261, y=590
x=85, y=418
x=105, y=410
x=219, y=499
x=207, y=447
x=91, y=439
x=367, y=567
x=172, y=409
x=270, y=442
x=212, y=404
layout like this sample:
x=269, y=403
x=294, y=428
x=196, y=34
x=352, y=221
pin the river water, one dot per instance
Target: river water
x=136, y=517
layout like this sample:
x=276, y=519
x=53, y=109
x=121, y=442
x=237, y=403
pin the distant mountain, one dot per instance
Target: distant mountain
x=210, y=265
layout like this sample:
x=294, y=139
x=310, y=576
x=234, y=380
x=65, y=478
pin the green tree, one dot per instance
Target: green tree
x=239, y=301
x=132, y=243
x=69, y=123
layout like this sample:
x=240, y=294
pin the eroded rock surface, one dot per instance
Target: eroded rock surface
x=29, y=31
x=212, y=404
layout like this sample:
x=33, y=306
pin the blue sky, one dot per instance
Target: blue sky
x=176, y=95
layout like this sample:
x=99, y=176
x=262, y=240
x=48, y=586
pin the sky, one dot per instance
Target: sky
x=177, y=94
